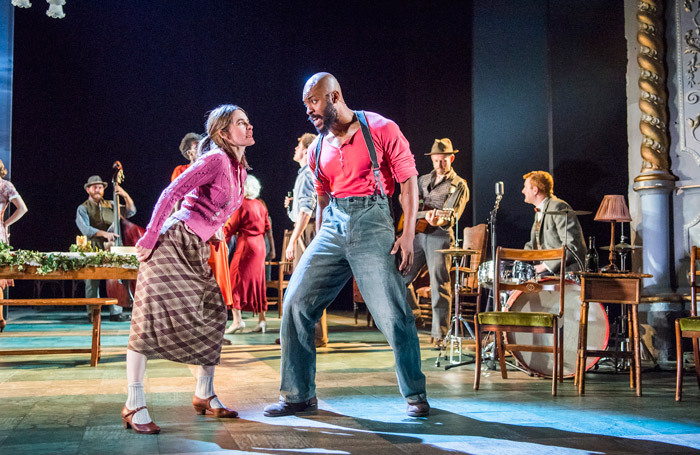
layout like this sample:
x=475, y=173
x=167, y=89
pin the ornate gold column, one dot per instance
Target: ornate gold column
x=653, y=97
x=655, y=180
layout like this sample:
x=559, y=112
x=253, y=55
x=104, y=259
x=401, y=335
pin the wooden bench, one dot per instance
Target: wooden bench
x=87, y=273
x=96, y=327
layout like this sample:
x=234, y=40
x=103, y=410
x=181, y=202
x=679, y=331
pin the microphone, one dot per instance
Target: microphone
x=499, y=188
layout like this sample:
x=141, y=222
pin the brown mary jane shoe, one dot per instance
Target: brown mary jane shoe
x=202, y=405
x=141, y=428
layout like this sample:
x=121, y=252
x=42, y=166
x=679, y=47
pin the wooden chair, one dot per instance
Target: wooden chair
x=689, y=327
x=281, y=275
x=530, y=322
x=475, y=238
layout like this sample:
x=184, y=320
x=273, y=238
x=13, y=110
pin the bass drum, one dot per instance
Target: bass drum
x=540, y=363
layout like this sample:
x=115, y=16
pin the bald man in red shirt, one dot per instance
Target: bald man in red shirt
x=357, y=159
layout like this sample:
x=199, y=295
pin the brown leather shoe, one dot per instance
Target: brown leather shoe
x=202, y=405
x=141, y=428
x=420, y=409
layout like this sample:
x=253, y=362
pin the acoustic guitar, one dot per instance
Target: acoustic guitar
x=421, y=223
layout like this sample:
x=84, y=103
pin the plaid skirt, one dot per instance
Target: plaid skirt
x=179, y=313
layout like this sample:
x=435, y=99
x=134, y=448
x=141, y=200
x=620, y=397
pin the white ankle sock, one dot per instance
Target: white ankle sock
x=135, y=399
x=205, y=389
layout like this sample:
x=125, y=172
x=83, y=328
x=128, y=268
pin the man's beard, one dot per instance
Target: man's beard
x=330, y=115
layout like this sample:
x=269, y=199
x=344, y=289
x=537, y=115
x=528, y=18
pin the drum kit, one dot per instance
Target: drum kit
x=547, y=301
x=534, y=363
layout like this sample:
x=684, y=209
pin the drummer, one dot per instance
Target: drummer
x=548, y=229
x=443, y=195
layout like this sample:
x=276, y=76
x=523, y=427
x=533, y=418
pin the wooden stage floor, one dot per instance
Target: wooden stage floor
x=60, y=405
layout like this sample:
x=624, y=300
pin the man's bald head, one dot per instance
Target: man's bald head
x=321, y=84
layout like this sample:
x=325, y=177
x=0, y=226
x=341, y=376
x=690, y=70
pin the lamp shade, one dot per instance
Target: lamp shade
x=613, y=208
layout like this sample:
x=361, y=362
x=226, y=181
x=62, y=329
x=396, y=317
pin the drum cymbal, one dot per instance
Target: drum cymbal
x=622, y=247
x=564, y=212
x=457, y=251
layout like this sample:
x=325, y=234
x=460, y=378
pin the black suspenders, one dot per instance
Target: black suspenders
x=364, y=126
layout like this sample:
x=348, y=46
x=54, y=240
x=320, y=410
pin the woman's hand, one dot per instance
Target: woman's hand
x=142, y=254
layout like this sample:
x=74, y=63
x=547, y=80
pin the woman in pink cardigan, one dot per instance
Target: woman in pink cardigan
x=179, y=313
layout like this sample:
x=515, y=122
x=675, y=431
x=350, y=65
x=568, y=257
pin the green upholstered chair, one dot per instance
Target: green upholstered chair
x=689, y=327
x=512, y=321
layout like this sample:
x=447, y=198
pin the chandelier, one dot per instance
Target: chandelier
x=55, y=7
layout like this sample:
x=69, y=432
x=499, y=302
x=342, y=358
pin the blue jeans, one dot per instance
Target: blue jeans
x=355, y=239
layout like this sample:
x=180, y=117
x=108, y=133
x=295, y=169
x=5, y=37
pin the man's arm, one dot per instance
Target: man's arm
x=571, y=230
x=270, y=240
x=323, y=201
x=409, y=205
x=306, y=204
x=530, y=245
x=82, y=220
x=456, y=203
x=299, y=227
x=128, y=202
x=461, y=199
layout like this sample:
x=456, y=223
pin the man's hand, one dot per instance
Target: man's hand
x=434, y=219
x=289, y=254
x=142, y=254
x=109, y=236
x=541, y=268
x=287, y=201
x=405, y=244
x=120, y=191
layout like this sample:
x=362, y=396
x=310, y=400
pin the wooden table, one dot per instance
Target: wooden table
x=87, y=273
x=620, y=288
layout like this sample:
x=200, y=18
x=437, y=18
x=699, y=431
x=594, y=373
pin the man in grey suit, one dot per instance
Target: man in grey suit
x=549, y=230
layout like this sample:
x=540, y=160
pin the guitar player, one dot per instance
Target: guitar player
x=443, y=195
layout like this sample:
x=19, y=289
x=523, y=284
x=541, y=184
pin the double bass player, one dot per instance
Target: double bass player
x=94, y=218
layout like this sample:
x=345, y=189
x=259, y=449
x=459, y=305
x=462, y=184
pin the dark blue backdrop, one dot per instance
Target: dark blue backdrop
x=516, y=86
x=549, y=80
x=126, y=80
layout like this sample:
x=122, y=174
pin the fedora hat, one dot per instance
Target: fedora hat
x=95, y=179
x=442, y=147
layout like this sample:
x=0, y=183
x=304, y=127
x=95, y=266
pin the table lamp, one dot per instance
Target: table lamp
x=613, y=209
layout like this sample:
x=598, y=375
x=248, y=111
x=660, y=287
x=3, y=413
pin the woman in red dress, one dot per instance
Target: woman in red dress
x=250, y=223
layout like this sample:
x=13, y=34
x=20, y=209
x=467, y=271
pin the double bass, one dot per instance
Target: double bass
x=126, y=234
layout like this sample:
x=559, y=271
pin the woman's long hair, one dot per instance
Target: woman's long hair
x=219, y=119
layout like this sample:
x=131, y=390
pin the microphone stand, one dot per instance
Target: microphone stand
x=492, y=229
x=489, y=353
